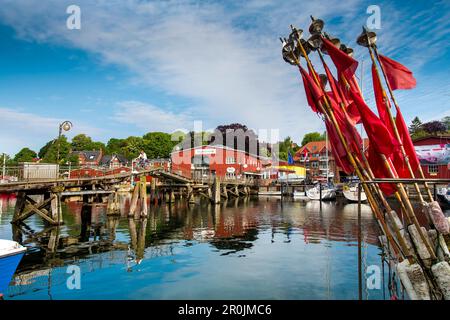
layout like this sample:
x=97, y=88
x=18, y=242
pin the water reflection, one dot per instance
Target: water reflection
x=242, y=248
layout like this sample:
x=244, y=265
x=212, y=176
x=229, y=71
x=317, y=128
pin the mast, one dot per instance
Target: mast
x=326, y=150
x=361, y=85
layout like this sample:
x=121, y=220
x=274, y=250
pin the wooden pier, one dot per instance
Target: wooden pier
x=44, y=197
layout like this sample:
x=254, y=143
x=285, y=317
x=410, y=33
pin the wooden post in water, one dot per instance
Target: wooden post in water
x=320, y=195
x=216, y=191
x=359, y=245
x=113, y=204
x=134, y=200
x=190, y=194
x=143, y=194
x=225, y=192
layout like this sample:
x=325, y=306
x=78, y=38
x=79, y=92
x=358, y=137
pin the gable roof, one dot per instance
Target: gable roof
x=319, y=146
x=106, y=159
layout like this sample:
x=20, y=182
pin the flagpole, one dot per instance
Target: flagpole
x=369, y=174
x=366, y=162
x=391, y=93
x=329, y=114
x=400, y=187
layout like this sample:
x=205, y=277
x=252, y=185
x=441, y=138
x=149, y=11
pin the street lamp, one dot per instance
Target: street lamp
x=66, y=126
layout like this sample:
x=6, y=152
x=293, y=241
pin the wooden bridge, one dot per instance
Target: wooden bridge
x=44, y=196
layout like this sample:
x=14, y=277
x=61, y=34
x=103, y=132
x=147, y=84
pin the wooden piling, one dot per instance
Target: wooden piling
x=216, y=191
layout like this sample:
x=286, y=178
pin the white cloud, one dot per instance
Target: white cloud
x=149, y=117
x=222, y=60
x=20, y=129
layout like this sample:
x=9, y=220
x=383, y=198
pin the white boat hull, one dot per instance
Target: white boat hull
x=327, y=194
x=351, y=194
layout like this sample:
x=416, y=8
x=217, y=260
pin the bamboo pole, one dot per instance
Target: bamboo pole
x=366, y=162
x=391, y=93
x=393, y=124
x=370, y=176
x=329, y=114
x=400, y=187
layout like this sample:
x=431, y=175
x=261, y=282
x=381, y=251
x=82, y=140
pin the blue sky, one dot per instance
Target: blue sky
x=137, y=66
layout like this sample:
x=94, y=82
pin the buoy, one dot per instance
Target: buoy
x=441, y=272
x=413, y=280
x=401, y=271
x=422, y=251
x=434, y=211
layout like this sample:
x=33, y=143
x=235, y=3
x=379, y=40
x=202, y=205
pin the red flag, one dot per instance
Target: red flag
x=313, y=93
x=397, y=157
x=347, y=128
x=382, y=101
x=407, y=142
x=399, y=76
x=379, y=170
x=353, y=113
x=337, y=149
x=380, y=138
x=333, y=85
x=345, y=64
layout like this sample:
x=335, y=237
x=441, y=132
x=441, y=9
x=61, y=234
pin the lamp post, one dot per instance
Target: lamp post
x=66, y=126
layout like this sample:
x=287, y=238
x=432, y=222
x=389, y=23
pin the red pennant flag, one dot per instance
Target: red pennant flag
x=347, y=128
x=406, y=141
x=333, y=85
x=382, y=101
x=313, y=93
x=399, y=76
x=379, y=170
x=380, y=138
x=337, y=149
x=353, y=113
x=345, y=64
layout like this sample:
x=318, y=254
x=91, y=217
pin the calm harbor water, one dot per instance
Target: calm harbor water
x=242, y=249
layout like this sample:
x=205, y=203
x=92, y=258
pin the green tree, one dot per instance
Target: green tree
x=25, y=155
x=284, y=147
x=49, y=152
x=97, y=145
x=115, y=146
x=312, y=136
x=415, y=127
x=43, y=151
x=8, y=160
x=446, y=122
x=158, y=144
x=133, y=145
x=81, y=142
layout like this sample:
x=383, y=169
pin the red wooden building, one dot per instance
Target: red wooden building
x=215, y=160
x=434, y=155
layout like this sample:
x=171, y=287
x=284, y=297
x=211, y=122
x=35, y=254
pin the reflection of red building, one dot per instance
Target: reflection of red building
x=215, y=160
x=433, y=153
x=96, y=172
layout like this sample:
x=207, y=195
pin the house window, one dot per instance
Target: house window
x=433, y=169
x=230, y=175
x=230, y=160
x=314, y=165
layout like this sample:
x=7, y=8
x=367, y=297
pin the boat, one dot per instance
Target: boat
x=328, y=193
x=351, y=193
x=443, y=196
x=11, y=253
x=300, y=195
x=276, y=193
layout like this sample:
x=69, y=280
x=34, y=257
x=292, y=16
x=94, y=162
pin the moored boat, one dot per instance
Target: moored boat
x=351, y=193
x=443, y=196
x=11, y=253
x=328, y=193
